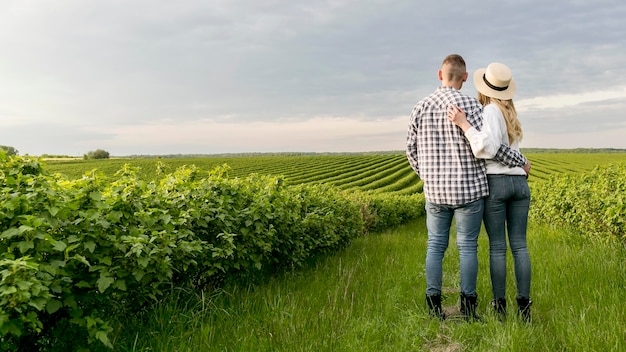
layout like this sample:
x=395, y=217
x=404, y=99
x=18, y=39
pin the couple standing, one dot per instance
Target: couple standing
x=466, y=151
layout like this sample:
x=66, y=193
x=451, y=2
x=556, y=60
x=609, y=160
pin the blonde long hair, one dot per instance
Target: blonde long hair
x=513, y=126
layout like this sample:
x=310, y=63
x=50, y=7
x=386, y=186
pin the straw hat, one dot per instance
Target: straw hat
x=495, y=81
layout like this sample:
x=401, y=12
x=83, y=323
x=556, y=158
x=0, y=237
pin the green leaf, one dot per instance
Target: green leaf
x=81, y=259
x=25, y=228
x=72, y=247
x=24, y=285
x=104, y=223
x=138, y=275
x=53, y=211
x=38, y=303
x=102, y=336
x=24, y=246
x=60, y=246
x=12, y=328
x=53, y=306
x=95, y=196
x=4, y=318
x=104, y=282
x=143, y=262
x=90, y=246
x=57, y=264
x=13, y=231
x=72, y=238
x=7, y=291
x=83, y=284
x=70, y=302
x=120, y=284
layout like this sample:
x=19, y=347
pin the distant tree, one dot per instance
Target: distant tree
x=96, y=154
x=9, y=150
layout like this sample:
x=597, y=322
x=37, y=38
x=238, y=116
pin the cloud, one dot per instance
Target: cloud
x=596, y=114
x=317, y=134
x=564, y=101
x=116, y=69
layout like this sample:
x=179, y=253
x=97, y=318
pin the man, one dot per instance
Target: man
x=455, y=182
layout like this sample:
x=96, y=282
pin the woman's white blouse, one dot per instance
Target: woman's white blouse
x=486, y=142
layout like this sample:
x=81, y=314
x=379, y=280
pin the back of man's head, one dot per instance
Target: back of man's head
x=453, y=68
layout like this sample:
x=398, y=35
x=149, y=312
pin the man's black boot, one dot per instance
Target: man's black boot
x=434, y=306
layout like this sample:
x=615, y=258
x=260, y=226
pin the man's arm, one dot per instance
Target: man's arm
x=411, y=143
x=510, y=157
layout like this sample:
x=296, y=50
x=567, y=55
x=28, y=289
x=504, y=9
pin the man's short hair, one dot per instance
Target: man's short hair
x=453, y=67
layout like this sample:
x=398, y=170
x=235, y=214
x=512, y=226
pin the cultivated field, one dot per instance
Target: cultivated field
x=389, y=173
x=163, y=254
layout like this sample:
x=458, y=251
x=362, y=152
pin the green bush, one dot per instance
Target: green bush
x=380, y=211
x=82, y=251
x=76, y=253
x=10, y=151
x=96, y=154
x=593, y=202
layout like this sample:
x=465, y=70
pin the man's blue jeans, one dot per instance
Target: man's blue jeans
x=506, y=212
x=438, y=221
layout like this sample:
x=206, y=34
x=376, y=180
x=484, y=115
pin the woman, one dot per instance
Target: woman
x=506, y=207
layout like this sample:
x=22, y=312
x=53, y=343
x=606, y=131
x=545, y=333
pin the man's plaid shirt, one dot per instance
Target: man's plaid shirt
x=441, y=155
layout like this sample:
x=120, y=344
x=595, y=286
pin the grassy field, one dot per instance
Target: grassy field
x=370, y=297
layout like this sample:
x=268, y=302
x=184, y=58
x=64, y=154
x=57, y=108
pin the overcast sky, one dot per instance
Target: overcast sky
x=230, y=76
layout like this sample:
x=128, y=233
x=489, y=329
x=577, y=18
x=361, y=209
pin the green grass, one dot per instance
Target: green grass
x=370, y=297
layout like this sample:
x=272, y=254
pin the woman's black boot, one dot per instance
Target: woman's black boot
x=499, y=306
x=523, y=305
x=468, y=307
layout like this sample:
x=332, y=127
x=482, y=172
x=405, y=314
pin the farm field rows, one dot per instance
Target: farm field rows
x=167, y=219
x=389, y=173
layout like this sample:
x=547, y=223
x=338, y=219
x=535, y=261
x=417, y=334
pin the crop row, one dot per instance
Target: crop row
x=388, y=173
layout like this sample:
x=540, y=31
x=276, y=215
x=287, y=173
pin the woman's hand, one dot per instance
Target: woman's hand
x=458, y=117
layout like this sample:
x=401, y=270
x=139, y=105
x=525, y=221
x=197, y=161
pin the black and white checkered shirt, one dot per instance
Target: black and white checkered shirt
x=441, y=155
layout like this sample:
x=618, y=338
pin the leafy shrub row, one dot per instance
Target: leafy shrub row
x=381, y=211
x=74, y=253
x=592, y=202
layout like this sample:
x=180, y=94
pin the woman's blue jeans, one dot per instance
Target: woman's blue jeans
x=438, y=221
x=506, y=212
